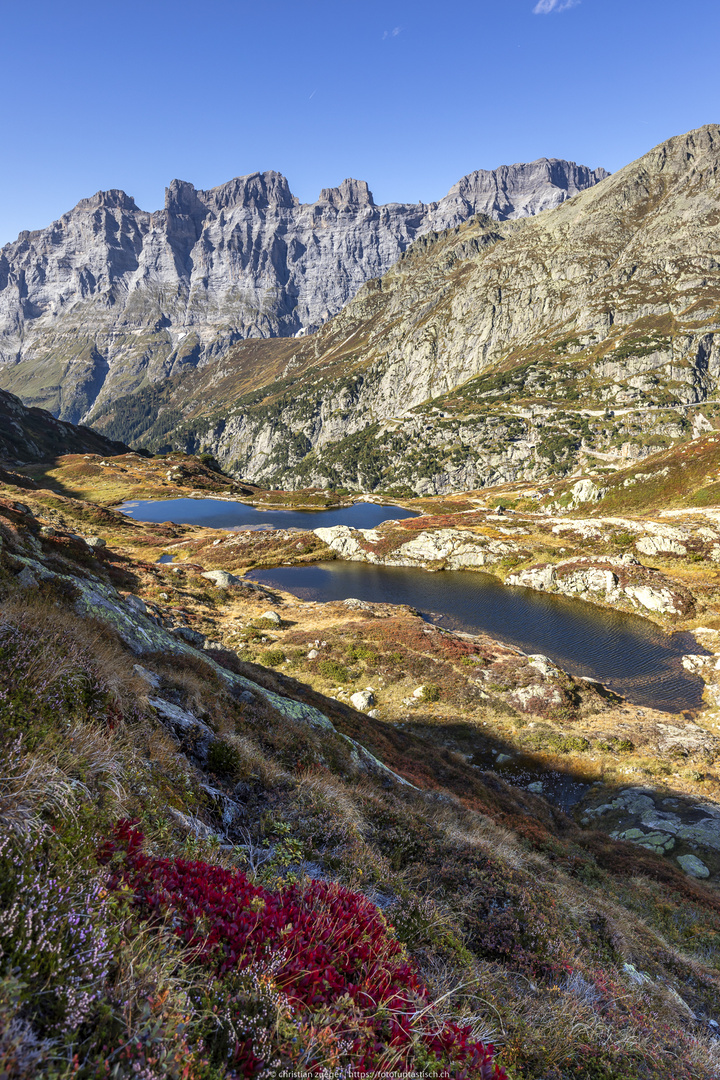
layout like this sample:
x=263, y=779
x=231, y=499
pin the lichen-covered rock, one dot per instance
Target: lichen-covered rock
x=222, y=579
x=693, y=866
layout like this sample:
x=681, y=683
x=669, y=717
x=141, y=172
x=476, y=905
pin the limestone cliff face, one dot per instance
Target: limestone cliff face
x=110, y=297
x=496, y=351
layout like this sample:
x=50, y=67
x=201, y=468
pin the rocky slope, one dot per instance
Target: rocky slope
x=34, y=435
x=110, y=297
x=491, y=352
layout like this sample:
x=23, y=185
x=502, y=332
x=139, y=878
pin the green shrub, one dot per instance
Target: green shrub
x=223, y=758
x=272, y=657
x=361, y=652
x=332, y=670
x=431, y=692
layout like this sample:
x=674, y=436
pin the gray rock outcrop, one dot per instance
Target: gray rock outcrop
x=110, y=296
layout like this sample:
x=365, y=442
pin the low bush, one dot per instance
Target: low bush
x=334, y=671
x=323, y=958
x=430, y=692
x=223, y=758
x=272, y=657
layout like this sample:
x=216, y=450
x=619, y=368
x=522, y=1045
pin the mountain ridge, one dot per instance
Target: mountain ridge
x=111, y=297
x=30, y=435
x=475, y=359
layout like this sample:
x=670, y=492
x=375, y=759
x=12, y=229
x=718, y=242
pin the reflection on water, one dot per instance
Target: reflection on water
x=226, y=514
x=627, y=653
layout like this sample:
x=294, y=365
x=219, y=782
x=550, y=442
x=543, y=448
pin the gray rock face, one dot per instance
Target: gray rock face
x=513, y=191
x=453, y=371
x=110, y=295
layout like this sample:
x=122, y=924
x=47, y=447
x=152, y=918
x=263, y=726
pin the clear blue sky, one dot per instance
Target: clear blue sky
x=408, y=96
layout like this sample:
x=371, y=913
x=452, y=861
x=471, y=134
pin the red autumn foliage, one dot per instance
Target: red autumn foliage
x=328, y=943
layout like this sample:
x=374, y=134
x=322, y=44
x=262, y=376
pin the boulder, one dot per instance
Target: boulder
x=192, y=637
x=586, y=491
x=271, y=616
x=221, y=578
x=693, y=866
x=363, y=700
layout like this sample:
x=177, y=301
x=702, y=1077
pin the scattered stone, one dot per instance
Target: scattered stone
x=96, y=542
x=502, y=759
x=418, y=692
x=222, y=579
x=180, y=718
x=192, y=824
x=693, y=866
x=537, y=787
x=639, y=977
x=363, y=700
x=271, y=616
x=313, y=654
x=147, y=676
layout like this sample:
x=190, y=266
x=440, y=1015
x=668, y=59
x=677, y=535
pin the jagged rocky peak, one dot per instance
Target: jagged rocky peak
x=114, y=199
x=514, y=191
x=91, y=307
x=480, y=352
x=351, y=193
x=259, y=191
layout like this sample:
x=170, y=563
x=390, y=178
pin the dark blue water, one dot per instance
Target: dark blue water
x=223, y=514
x=629, y=654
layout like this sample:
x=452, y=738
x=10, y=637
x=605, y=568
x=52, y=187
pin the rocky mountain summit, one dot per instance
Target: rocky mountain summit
x=111, y=297
x=491, y=352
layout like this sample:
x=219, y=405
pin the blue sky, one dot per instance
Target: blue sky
x=408, y=96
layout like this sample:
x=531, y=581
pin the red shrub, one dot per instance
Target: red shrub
x=332, y=950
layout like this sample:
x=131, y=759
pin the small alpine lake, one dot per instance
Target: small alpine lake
x=627, y=653
x=230, y=514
